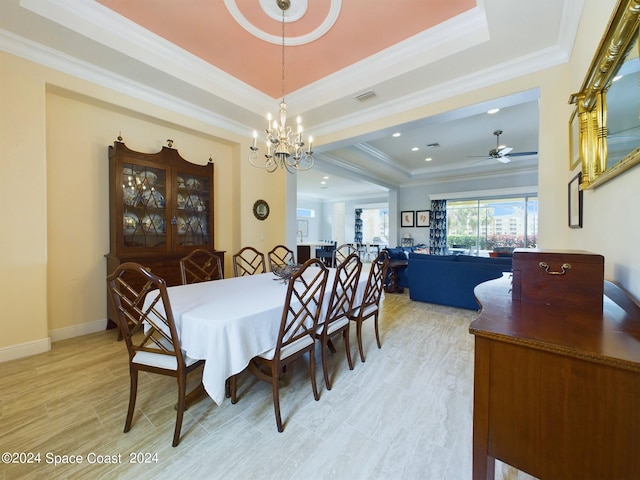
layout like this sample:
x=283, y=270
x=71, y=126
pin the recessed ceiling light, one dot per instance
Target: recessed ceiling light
x=325, y=177
x=428, y=159
x=493, y=110
x=397, y=134
x=415, y=149
x=323, y=183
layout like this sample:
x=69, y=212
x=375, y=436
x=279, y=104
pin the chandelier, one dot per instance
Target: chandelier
x=285, y=148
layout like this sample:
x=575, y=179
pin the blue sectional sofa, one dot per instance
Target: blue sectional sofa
x=450, y=279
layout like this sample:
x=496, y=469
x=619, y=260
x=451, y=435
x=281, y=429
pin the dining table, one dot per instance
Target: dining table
x=227, y=322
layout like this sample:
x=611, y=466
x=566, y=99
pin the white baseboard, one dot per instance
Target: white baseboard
x=25, y=349
x=77, y=330
x=40, y=346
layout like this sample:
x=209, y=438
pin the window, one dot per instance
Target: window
x=375, y=225
x=305, y=213
x=478, y=226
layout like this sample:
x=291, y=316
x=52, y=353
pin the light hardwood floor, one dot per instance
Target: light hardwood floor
x=406, y=413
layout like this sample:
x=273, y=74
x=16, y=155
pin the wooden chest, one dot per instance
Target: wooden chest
x=568, y=278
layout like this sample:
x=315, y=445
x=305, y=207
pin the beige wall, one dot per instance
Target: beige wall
x=54, y=132
x=23, y=199
x=53, y=188
x=78, y=133
x=611, y=226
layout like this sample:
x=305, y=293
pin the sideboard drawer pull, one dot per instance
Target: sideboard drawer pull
x=563, y=268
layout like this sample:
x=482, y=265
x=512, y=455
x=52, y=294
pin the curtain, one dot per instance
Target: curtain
x=438, y=228
x=358, y=227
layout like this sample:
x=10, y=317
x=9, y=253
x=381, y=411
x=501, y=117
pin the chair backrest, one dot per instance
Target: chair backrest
x=200, y=266
x=144, y=313
x=280, y=256
x=375, y=281
x=345, y=286
x=303, y=303
x=342, y=252
x=248, y=261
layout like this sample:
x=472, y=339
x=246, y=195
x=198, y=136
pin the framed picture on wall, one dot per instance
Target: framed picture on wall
x=575, y=202
x=422, y=218
x=407, y=218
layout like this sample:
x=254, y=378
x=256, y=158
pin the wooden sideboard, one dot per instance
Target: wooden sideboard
x=556, y=389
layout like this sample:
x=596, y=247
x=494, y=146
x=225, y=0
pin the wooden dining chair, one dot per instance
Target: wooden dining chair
x=302, y=306
x=200, y=266
x=248, y=261
x=370, y=306
x=150, y=335
x=343, y=293
x=340, y=254
x=280, y=256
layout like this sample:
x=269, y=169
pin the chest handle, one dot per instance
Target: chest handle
x=563, y=268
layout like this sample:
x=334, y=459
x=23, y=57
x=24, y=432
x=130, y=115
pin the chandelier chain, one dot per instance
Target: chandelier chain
x=285, y=146
x=283, y=55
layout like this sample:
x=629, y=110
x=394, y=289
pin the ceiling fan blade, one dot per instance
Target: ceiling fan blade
x=504, y=159
x=504, y=151
x=522, y=154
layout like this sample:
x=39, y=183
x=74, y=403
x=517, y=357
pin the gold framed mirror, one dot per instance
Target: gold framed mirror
x=261, y=209
x=607, y=116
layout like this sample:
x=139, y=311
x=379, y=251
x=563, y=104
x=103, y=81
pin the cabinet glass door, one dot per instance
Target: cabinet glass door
x=193, y=204
x=143, y=205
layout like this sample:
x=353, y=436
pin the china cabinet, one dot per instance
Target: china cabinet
x=161, y=208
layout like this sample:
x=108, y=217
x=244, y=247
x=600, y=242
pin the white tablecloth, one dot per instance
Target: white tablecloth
x=228, y=322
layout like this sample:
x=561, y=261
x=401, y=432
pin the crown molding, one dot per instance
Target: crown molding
x=94, y=20
x=334, y=164
x=528, y=64
x=445, y=39
x=55, y=60
x=524, y=190
x=380, y=157
x=456, y=176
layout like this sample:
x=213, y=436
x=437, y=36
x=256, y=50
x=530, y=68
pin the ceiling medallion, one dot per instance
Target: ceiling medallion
x=285, y=148
x=296, y=12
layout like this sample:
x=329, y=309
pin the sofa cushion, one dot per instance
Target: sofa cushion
x=397, y=253
x=435, y=258
x=485, y=260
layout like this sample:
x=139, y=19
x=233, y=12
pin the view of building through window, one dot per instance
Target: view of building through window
x=375, y=225
x=478, y=226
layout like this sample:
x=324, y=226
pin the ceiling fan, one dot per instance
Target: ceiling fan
x=502, y=153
